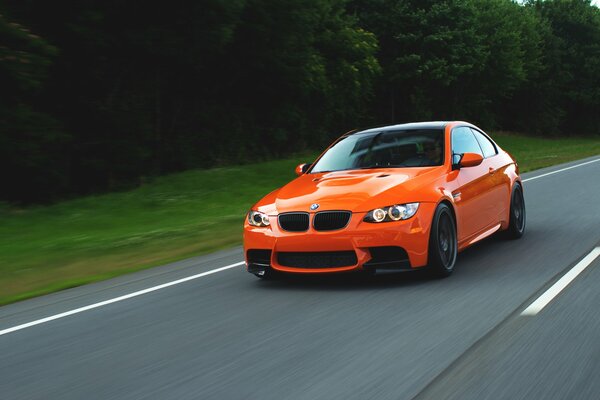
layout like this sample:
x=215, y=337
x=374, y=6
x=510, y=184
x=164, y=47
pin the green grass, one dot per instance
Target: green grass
x=45, y=249
x=534, y=152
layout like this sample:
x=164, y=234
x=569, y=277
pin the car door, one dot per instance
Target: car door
x=473, y=196
x=499, y=181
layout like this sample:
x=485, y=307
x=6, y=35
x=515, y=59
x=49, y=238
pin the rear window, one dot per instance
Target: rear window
x=488, y=147
x=463, y=141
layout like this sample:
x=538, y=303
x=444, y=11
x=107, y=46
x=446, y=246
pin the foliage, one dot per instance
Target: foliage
x=98, y=95
x=452, y=59
x=572, y=76
x=30, y=141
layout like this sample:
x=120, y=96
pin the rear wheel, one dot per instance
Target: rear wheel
x=516, y=225
x=443, y=244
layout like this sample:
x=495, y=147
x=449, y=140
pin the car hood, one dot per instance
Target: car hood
x=356, y=190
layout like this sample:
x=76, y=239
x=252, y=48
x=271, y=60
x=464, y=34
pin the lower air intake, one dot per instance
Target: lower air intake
x=388, y=257
x=324, y=259
x=259, y=256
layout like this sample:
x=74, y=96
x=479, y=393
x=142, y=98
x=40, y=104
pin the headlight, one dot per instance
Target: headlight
x=257, y=218
x=396, y=212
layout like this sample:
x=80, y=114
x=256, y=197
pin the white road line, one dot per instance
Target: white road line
x=116, y=299
x=561, y=170
x=189, y=278
x=562, y=283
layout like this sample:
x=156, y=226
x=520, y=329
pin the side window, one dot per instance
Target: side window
x=488, y=147
x=463, y=141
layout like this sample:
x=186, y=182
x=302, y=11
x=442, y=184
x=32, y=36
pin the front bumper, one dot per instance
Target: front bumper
x=358, y=236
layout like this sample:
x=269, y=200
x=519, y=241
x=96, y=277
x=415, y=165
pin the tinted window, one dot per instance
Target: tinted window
x=488, y=147
x=463, y=141
x=385, y=149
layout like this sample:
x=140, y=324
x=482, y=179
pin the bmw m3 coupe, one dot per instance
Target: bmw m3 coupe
x=400, y=197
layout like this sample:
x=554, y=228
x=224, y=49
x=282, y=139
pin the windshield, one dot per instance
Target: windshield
x=385, y=149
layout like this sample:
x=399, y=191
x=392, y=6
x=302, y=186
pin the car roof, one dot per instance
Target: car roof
x=407, y=126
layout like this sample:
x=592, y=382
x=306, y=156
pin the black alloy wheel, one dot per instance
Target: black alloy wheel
x=516, y=225
x=443, y=244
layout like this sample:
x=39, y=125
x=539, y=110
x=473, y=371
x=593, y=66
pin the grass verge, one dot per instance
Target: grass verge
x=45, y=249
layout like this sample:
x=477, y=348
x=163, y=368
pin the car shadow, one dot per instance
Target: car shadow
x=472, y=263
x=343, y=281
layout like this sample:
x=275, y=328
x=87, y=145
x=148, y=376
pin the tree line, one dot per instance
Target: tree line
x=97, y=95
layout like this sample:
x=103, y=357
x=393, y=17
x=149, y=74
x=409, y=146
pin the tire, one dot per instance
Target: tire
x=443, y=243
x=517, y=220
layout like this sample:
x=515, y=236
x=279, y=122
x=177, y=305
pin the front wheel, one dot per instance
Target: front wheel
x=443, y=244
x=516, y=224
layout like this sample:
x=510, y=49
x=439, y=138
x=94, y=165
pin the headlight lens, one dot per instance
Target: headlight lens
x=257, y=218
x=396, y=212
x=378, y=215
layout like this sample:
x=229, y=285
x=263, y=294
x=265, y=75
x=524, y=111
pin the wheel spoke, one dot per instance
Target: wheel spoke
x=445, y=241
x=519, y=210
x=443, y=245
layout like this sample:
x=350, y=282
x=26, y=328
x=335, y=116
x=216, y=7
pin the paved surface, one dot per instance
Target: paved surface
x=231, y=336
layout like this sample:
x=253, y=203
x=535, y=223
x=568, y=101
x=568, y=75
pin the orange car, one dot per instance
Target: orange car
x=399, y=197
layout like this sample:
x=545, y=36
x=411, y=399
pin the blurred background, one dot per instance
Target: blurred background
x=97, y=95
x=134, y=133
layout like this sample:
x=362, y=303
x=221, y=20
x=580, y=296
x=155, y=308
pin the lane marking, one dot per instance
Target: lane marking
x=117, y=299
x=562, y=283
x=189, y=278
x=561, y=170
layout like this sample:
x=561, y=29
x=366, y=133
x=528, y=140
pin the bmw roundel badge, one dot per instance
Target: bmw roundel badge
x=314, y=206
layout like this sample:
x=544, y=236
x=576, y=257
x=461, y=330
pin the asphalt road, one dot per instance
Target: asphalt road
x=227, y=335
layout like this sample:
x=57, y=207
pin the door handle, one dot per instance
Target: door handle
x=491, y=171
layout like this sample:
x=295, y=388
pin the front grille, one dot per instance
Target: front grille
x=294, y=222
x=325, y=259
x=259, y=256
x=331, y=220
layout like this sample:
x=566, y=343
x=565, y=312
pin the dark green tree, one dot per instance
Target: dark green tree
x=570, y=80
x=452, y=59
x=32, y=145
x=107, y=92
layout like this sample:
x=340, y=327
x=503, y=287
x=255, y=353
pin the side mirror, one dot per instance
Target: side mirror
x=302, y=168
x=467, y=160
